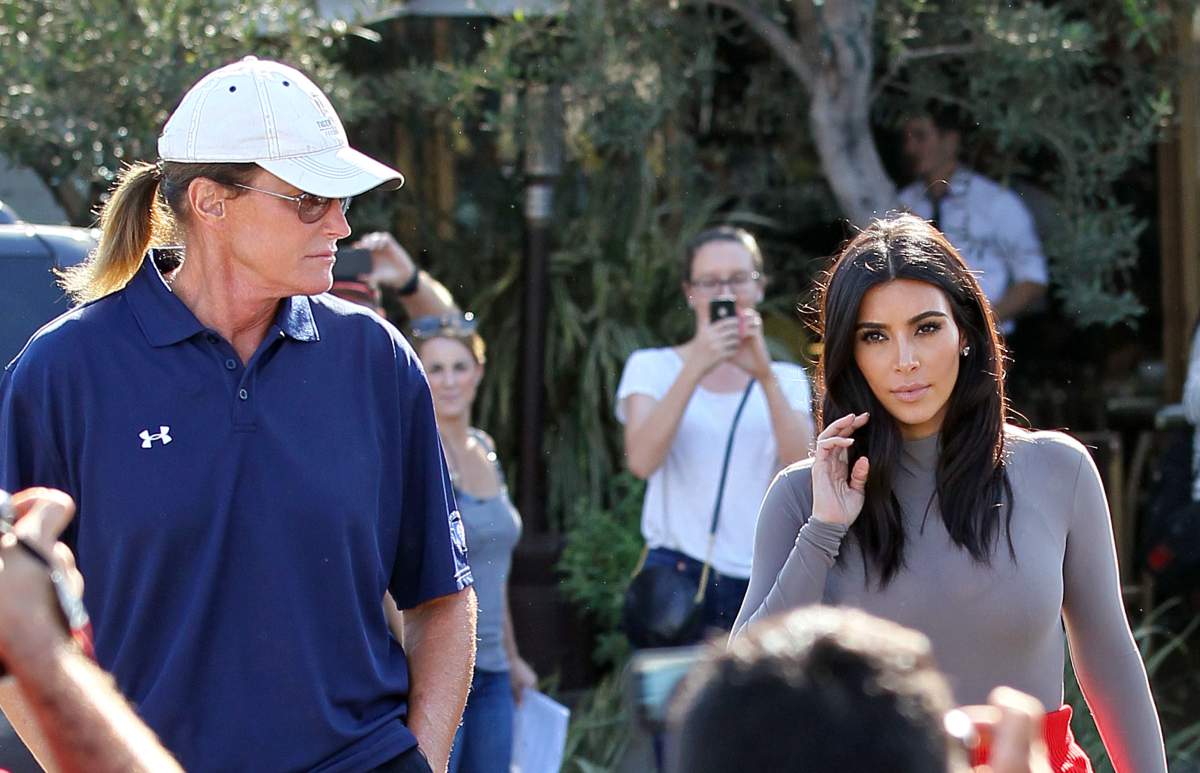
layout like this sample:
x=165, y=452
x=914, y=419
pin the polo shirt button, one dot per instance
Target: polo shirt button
x=243, y=394
x=230, y=365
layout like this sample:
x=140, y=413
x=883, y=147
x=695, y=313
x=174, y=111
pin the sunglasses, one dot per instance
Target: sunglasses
x=449, y=326
x=309, y=208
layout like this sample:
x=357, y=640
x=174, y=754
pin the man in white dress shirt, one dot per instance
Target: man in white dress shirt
x=988, y=223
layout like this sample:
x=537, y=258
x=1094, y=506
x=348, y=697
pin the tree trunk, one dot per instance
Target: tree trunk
x=841, y=127
x=832, y=56
x=839, y=109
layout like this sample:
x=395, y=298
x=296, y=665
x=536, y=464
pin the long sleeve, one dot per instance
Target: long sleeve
x=792, y=553
x=1103, y=651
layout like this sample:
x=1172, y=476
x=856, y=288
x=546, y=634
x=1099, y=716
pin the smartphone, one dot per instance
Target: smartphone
x=654, y=675
x=352, y=263
x=720, y=308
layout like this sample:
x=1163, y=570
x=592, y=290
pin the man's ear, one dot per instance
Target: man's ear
x=206, y=199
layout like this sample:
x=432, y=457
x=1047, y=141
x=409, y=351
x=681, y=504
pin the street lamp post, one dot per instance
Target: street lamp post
x=543, y=164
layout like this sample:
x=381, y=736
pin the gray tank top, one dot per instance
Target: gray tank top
x=493, y=527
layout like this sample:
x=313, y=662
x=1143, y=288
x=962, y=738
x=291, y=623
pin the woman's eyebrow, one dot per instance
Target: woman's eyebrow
x=919, y=318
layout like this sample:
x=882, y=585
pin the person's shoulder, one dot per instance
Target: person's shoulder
x=789, y=371
x=655, y=358
x=796, y=477
x=654, y=354
x=790, y=494
x=487, y=440
x=996, y=195
x=75, y=332
x=1049, y=451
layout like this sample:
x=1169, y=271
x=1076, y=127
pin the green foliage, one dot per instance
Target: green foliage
x=602, y=550
x=1159, y=646
x=1067, y=97
x=89, y=85
x=599, y=729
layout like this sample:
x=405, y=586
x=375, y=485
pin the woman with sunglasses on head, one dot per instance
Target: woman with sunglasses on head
x=678, y=406
x=923, y=506
x=453, y=355
x=256, y=462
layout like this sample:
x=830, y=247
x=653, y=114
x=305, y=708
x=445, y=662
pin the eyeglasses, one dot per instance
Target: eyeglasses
x=735, y=282
x=309, y=208
x=449, y=326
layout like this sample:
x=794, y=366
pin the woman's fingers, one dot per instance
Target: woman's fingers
x=845, y=426
x=829, y=444
x=858, y=475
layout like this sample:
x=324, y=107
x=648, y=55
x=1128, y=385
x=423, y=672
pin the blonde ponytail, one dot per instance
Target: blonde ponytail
x=133, y=219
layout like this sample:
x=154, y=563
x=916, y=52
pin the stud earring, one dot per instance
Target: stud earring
x=965, y=350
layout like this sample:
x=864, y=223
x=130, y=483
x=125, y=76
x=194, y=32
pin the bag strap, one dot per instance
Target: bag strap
x=716, y=516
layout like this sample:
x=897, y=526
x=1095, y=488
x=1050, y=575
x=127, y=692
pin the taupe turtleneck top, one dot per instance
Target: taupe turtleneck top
x=1001, y=624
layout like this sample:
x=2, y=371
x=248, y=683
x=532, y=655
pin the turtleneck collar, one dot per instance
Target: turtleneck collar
x=921, y=455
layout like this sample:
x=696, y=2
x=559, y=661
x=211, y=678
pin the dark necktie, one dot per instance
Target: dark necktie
x=936, y=201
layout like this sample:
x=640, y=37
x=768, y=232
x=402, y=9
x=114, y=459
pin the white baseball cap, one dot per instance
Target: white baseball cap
x=270, y=114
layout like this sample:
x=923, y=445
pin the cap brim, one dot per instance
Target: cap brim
x=336, y=173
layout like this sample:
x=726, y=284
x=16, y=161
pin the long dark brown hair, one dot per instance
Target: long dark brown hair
x=973, y=490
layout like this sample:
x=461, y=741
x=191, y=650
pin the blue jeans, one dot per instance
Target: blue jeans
x=484, y=741
x=722, y=599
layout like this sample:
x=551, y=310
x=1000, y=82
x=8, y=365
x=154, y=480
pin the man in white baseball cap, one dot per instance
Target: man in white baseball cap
x=257, y=462
x=270, y=114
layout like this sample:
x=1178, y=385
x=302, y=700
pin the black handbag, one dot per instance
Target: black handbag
x=663, y=607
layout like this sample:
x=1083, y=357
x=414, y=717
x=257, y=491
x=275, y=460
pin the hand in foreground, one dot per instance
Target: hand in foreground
x=391, y=265
x=29, y=611
x=837, y=489
x=1010, y=729
x=521, y=676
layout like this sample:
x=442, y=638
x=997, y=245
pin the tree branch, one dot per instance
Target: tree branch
x=916, y=54
x=784, y=45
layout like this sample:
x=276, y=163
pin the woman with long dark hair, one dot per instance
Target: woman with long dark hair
x=923, y=506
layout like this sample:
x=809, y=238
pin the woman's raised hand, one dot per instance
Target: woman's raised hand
x=837, y=489
x=715, y=343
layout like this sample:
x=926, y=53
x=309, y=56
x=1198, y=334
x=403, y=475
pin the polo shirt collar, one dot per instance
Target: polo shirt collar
x=165, y=320
x=295, y=319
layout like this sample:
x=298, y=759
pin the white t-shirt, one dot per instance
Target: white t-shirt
x=680, y=494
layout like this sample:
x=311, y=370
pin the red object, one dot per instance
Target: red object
x=83, y=637
x=1160, y=557
x=1065, y=755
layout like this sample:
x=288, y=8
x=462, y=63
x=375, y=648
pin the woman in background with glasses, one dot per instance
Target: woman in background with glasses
x=453, y=355
x=678, y=403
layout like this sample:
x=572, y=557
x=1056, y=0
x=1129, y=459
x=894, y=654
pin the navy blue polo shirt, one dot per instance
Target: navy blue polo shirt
x=239, y=525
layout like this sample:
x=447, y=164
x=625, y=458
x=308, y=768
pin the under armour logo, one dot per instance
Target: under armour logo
x=163, y=434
